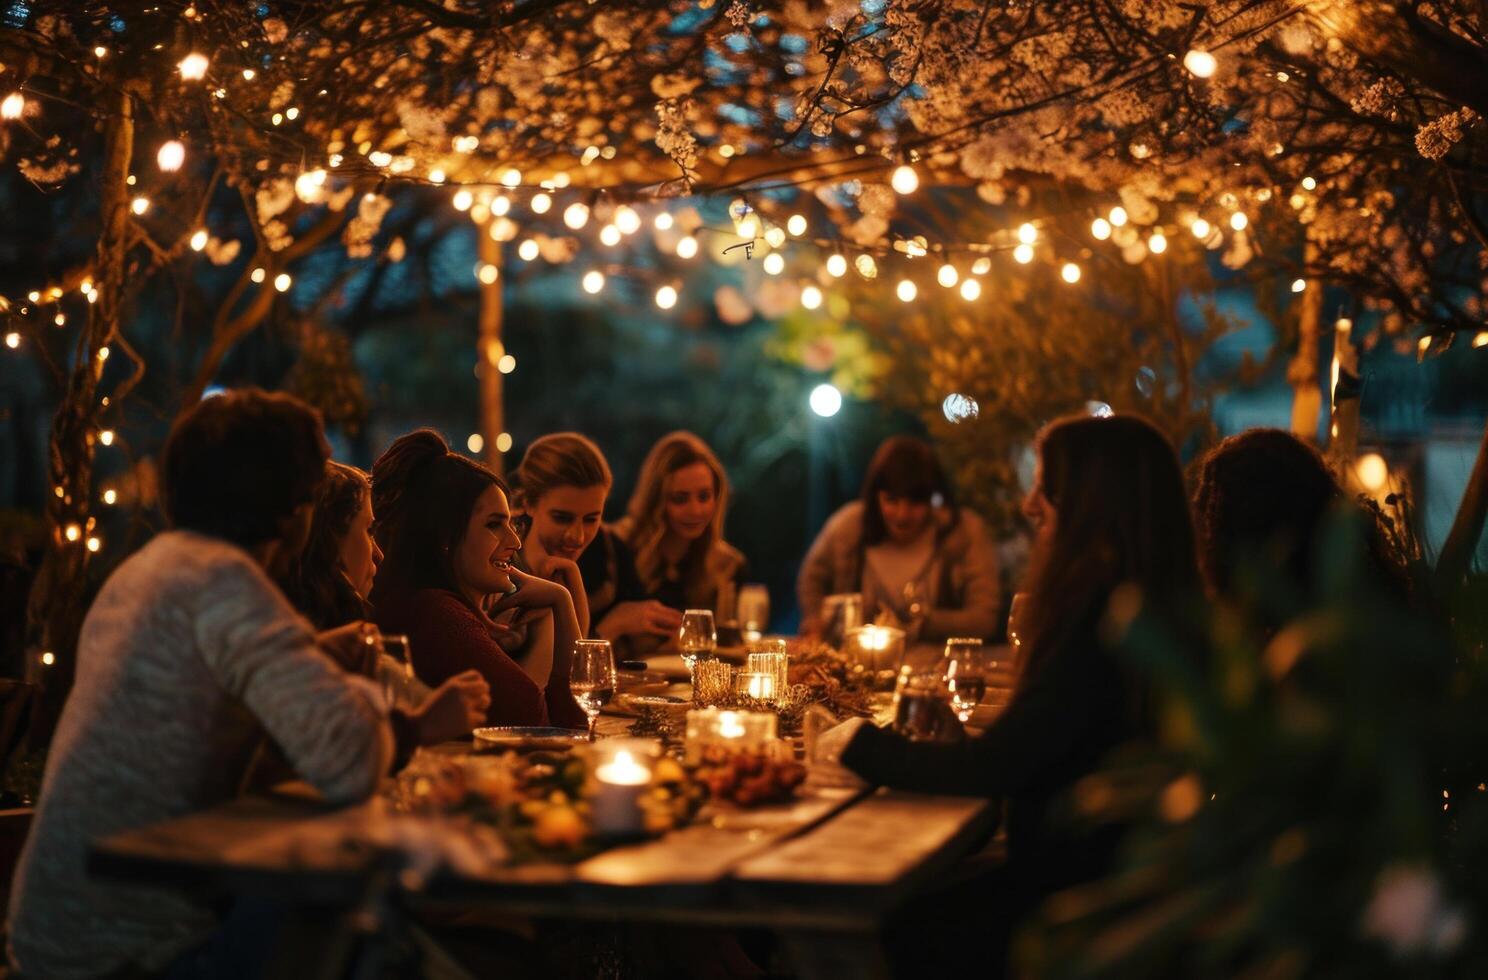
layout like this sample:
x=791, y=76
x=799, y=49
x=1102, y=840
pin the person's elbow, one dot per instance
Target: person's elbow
x=364, y=770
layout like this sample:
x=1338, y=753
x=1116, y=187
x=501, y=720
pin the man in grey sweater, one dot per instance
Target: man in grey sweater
x=187, y=657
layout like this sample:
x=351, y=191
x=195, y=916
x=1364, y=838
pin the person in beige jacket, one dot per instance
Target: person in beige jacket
x=918, y=560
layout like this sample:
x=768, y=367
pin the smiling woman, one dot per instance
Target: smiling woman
x=448, y=582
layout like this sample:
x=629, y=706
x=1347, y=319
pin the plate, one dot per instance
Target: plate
x=671, y=704
x=530, y=739
x=643, y=682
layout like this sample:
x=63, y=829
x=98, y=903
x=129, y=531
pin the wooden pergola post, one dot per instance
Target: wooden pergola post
x=490, y=349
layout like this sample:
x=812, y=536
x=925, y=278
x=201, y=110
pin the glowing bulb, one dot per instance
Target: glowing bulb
x=609, y=235
x=487, y=273
x=867, y=268
x=100, y=51
x=1070, y=273
x=541, y=203
x=1027, y=233
x=836, y=266
x=1481, y=340
x=749, y=228
x=666, y=297
x=1023, y=254
x=48, y=658
x=775, y=236
x=1200, y=228
x=462, y=200
x=257, y=275
x=983, y=265
x=103, y=353
x=199, y=240
x=506, y=364
x=171, y=155
x=774, y=264
x=504, y=442
x=1201, y=63
x=73, y=532
x=947, y=275
x=906, y=290
x=1100, y=229
x=511, y=178
x=475, y=442
x=576, y=215
x=106, y=437
x=687, y=247
x=94, y=544
x=971, y=289
x=1158, y=243
x=248, y=74
x=1298, y=285
x=501, y=205
x=193, y=67
x=826, y=400
x=292, y=112
x=12, y=340
x=627, y=220
x=309, y=184
x=811, y=297
x=1373, y=472
x=110, y=496
x=528, y=250
x=436, y=176
x=139, y=205
x=1118, y=216
x=282, y=282
x=904, y=180
x=1309, y=184
x=663, y=221
x=13, y=106
x=1238, y=221
x=796, y=224
x=593, y=281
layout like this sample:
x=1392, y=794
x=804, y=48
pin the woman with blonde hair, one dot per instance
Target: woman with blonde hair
x=674, y=526
x=562, y=483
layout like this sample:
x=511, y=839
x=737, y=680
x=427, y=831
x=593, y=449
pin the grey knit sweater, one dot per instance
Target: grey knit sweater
x=187, y=656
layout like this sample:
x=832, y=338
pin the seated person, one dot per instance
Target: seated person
x=674, y=527
x=919, y=561
x=562, y=483
x=187, y=655
x=445, y=526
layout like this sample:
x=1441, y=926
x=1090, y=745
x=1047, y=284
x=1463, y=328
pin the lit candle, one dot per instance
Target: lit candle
x=617, y=799
x=756, y=684
x=736, y=730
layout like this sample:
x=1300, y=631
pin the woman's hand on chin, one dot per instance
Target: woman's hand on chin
x=533, y=592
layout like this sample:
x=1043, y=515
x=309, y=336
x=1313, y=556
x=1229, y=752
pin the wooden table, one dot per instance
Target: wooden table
x=823, y=872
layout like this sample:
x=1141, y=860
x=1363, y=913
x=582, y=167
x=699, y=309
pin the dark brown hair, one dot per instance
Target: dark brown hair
x=236, y=466
x=904, y=467
x=1121, y=516
x=318, y=585
x=422, y=495
x=561, y=459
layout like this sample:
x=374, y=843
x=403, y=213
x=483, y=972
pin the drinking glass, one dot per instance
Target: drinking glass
x=754, y=608
x=592, y=677
x=922, y=706
x=395, y=676
x=967, y=666
x=1017, y=620
x=698, y=637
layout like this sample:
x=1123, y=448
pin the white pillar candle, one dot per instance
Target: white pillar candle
x=617, y=799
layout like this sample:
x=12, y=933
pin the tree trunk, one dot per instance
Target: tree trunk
x=57, y=598
x=1302, y=373
x=1467, y=527
x=490, y=349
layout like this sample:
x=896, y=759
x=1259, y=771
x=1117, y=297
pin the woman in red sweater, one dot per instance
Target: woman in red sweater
x=444, y=524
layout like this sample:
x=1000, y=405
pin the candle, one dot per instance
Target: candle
x=736, y=730
x=755, y=684
x=769, y=657
x=876, y=649
x=617, y=797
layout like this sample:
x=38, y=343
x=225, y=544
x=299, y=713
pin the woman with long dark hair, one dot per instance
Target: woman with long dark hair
x=1109, y=512
x=916, y=558
x=445, y=527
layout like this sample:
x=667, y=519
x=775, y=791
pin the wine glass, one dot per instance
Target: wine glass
x=1017, y=620
x=966, y=669
x=698, y=637
x=396, y=680
x=591, y=677
x=921, y=700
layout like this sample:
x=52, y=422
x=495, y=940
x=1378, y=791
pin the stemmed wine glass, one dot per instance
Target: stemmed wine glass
x=592, y=677
x=966, y=669
x=698, y=637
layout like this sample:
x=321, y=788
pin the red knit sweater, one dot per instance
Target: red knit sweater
x=446, y=636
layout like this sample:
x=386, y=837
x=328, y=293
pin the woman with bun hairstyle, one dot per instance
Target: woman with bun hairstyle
x=447, y=581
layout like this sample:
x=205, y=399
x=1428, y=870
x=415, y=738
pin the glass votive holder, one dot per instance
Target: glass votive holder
x=876, y=651
x=756, y=684
x=621, y=771
x=712, y=682
x=731, y=730
x=769, y=657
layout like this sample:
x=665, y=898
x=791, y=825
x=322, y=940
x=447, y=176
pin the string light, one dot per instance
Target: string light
x=436, y=176
x=504, y=442
x=73, y=532
x=139, y=205
x=106, y=437
x=1309, y=184
x=609, y=235
x=475, y=442
x=292, y=113
x=867, y=268
x=1238, y=221
x=13, y=106
x=248, y=74
x=1201, y=63
x=811, y=298
x=1100, y=229
x=904, y=180
x=171, y=155
x=100, y=51
x=775, y=236
x=257, y=275
x=1027, y=233
x=825, y=400
x=487, y=273
x=1023, y=254
x=501, y=205
x=199, y=240
x=462, y=200
x=1481, y=340
x=308, y=185
x=528, y=250
x=836, y=266
x=110, y=496
x=593, y=281
x=1158, y=243
x=48, y=658
x=1200, y=228
x=282, y=282
x=103, y=353
x=796, y=225
x=663, y=221
x=774, y=264
x=94, y=544
x=193, y=67
x=1299, y=285
x=627, y=220
x=687, y=247
x=541, y=203
x=906, y=290
x=506, y=364
x=60, y=319
x=576, y=215
x=512, y=178
x=947, y=275
x=12, y=340
x=1118, y=216
x=971, y=289
x=983, y=265
x=1070, y=273
x=666, y=297
x=749, y=228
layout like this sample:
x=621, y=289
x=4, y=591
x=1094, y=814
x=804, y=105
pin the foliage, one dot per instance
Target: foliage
x=326, y=378
x=1316, y=807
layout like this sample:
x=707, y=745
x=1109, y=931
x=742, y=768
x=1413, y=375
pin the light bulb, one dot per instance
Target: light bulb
x=1299, y=285
x=1100, y=229
x=1201, y=63
x=687, y=247
x=811, y=297
x=947, y=275
x=13, y=106
x=308, y=185
x=666, y=297
x=511, y=178
x=971, y=289
x=257, y=275
x=541, y=203
x=487, y=273
x=1070, y=273
x=663, y=221
x=171, y=155
x=475, y=442
x=796, y=224
x=139, y=205
x=282, y=282
x=528, y=250
x=504, y=442
x=193, y=67
x=775, y=236
x=749, y=228
x=627, y=220
x=826, y=400
x=836, y=266
x=774, y=264
x=1023, y=254
x=576, y=215
x=904, y=180
x=199, y=240
x=1200, y=228
x=1158, y=243
x=462, y=200
x=1238, y=221
x=110, y=496
x=983, y=265
x=106, y=437
x=506, y=364
x=1027, y=233
x=906, y=290
x=609, y=235
x=12, y=340
x=1118, y=216
x=593, y=281
x=1309, y=184
x=867, y=268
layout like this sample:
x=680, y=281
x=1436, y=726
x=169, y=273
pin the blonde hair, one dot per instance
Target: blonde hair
x=561, y=459
x=645, y=517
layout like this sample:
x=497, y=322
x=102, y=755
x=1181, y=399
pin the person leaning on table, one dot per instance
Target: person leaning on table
x=186, y=656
